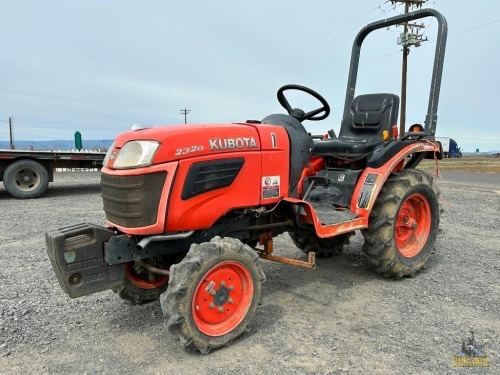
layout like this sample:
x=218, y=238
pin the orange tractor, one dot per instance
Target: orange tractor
x=192, y=208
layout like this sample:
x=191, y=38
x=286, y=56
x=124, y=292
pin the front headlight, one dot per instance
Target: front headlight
x=108, y=155
x=136, y=154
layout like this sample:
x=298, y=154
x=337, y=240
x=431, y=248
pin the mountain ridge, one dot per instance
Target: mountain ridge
x=57, y=144
x=104, y=144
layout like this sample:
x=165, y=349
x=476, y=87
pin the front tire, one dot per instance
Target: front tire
x=213, y=294
x=403, y=224
x=26, y=179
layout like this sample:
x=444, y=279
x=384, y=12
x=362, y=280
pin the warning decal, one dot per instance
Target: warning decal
x=365, y=196
x=270, y=187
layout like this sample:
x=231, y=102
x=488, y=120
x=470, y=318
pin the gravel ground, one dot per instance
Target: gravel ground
x=340, y=318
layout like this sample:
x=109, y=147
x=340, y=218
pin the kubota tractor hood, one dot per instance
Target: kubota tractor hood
x=178, y=142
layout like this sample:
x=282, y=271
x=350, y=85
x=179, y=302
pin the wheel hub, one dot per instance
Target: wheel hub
x=26, y=179
x=412, y=225
x=222, y=298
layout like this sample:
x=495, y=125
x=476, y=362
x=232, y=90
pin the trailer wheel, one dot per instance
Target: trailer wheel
x=403, y=224
x=323, y=247
x=25, y=179
x=213, y=294
x=142, y=286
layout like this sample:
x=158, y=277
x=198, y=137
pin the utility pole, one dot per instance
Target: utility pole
x=184, y=112
x=11, y=122
x=407, y=40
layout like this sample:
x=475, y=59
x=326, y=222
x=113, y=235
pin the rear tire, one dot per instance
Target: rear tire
x=213, y=294
x=26, y=179
x=323, y=247
x=403, y=224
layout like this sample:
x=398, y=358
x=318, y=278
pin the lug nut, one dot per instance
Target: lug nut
x=221, y=309
x=211, y=306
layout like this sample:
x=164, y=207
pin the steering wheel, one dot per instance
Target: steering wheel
x=298, y=113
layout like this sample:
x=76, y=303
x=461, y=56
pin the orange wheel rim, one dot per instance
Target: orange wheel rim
x=413, y=224
x=222, y=298
x=141, y=282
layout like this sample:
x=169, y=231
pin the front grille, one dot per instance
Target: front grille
x=210, y=175
x=132, y=201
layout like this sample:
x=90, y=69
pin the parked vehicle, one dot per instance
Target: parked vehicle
x=26, y=174
x=191, y=208
x=450, y=147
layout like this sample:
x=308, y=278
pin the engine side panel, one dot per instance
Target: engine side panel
x=202, y=210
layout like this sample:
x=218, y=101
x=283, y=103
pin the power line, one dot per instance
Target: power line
x=426, y=42
x=265, y=76
x=262, y=74
x=475, y=27
x=47, y=96
x=317, y=45
x=297, y=55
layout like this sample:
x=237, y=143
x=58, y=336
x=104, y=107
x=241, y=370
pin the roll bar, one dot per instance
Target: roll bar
x=437, y=71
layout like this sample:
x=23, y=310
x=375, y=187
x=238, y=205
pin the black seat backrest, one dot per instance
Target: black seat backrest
x=368, y=116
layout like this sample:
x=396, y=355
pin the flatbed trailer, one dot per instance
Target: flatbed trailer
x=26, y=174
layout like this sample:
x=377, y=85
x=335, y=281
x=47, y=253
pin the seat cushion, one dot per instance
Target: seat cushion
x=337, y=146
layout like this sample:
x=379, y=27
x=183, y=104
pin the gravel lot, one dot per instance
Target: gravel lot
x=339, y=318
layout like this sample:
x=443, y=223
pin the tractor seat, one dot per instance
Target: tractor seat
x=362, y=126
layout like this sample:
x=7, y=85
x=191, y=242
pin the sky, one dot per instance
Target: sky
x=101, y=66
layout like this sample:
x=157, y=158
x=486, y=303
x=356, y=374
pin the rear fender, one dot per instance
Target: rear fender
x=372, y=179
x=365, y=193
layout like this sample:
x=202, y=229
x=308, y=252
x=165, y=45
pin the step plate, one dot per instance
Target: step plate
x=328, y=215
